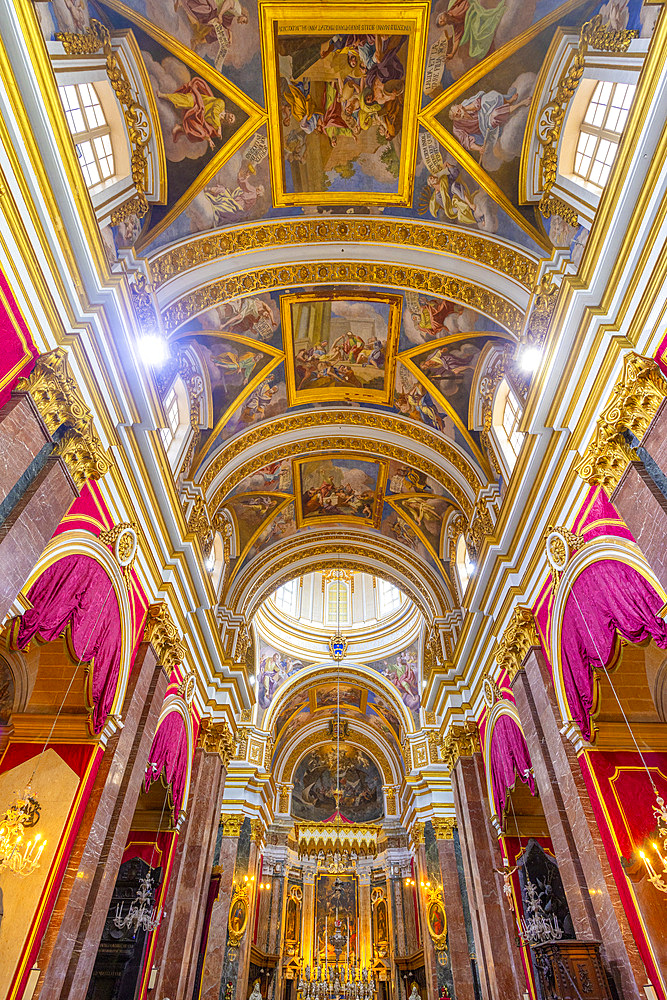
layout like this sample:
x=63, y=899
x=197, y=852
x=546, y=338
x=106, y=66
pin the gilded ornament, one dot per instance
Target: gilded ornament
x=634, y=403
x=163, y=636
x=60, y=404
x=217, y=737
x=560, y=543
x=238, y=915
x=231, y=825
x=256, y=830
x=459, y=741
x=187, y=689
x=358, y=739
x=142, y=301
x=125, y=541
x=594, y=35
x=490, y=692
x=136, y=119
x=544, y=305
x=418, y=829
x=443, y=827
x=266, y=279
x=518, y=639
x=447, y=240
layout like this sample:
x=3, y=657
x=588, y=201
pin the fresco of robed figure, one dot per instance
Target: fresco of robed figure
x=340, y=85
x=338, y=489
x=339, y=349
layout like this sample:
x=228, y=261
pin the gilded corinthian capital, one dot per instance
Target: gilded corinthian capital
x=217, y=737
x=163, y=635
x=519, y=636
x=61, y=406
x=633, y=405
x=459, y=741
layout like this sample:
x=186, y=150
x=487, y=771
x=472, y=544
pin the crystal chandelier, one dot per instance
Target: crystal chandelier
x=536, y=926
x=659, y=880
x=141, y=914
x=337, y=982
x=21, y=816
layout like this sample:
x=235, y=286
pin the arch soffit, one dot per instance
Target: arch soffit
x=350, y=674
x=316, y=737
x=606, y=547
x=502, y=707
x=174, y=703
x=304, y=433
x=310, y=552
x=79, y=542
x=392, y=240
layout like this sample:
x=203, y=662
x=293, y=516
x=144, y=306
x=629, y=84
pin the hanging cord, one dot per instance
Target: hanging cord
x=618, y=701
x=159, y=826
x=338, y=695
x=69, y=686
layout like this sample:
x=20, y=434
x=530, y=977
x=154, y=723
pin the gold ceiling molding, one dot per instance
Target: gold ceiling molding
x=595, y=35
x=137, y=120
x=353, y=418
x=518, y=639
x=60, y=404
x=201, y=250
x=286, y=771
x=265, y=279
x=634, y=403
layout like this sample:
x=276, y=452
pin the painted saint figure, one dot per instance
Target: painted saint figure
x=204, y=114
x=478, y=121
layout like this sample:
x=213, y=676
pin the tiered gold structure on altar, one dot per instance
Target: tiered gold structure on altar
x=333, y=500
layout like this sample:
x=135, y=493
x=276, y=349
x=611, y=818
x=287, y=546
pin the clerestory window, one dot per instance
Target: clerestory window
x=90, y=131
x=600, y=131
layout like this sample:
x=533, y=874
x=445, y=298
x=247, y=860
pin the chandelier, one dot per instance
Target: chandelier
x=141, y=914
x=21, y=816
x=336, y=847
x=337, y=982
x=659, y=880
x=536, y=926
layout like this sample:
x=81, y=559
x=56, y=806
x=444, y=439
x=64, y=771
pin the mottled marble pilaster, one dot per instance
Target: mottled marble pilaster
x=430, y=967
x=498, y=957
x=180, y=933
x=242, y=989
x=212, y=986
x=69, y=947
x=457, y=940
x=592, y=894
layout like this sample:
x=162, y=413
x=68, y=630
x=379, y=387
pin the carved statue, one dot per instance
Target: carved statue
x=255, y=995
x=415, y=995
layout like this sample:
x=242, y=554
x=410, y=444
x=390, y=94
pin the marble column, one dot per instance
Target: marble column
x=242, y=986
x=70, y=943
x=421, y=875
x=36, y=490
x=212, y=987
x=457, y=939
x=592, y=894
x=365, y=940
x=178, y=942
x=498, y=957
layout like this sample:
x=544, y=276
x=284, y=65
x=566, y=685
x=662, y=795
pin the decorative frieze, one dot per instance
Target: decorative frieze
x=518, y=638
x=163, y=636
x=217, y=737
x=633, y=405
x=459, y=741
x=60, y=404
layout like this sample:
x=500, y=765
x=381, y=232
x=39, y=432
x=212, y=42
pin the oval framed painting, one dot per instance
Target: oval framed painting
x=238, y=919
x=437, y=923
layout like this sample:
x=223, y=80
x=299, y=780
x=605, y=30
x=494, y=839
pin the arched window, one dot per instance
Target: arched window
x=390, y=598
x=215, y=563
x=600, y=131
x=464, y=564
x=505, y=423
x=177, y=413
x=285, y=597
x=91, y=132
x=338, y=602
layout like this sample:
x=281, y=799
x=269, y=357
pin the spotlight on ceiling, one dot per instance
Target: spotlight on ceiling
x=153, y=350
x=530, y=359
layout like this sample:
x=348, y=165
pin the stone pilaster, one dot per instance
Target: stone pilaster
x=592, y=894
x=178, y=942
x=365, y=936
x=211, y=984
x=242, y=989
x=457, y=940
x=69, y=948
x=421, y=875
x=498, y=957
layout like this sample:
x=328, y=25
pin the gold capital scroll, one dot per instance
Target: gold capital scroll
x=60, y=404
x=459, y=741
x=418, y=833
x=518, y=638
x=256, y=830
x=443, y=827
x=633, y=405
x=231, y=825
x=163, y=636
x=216, y=737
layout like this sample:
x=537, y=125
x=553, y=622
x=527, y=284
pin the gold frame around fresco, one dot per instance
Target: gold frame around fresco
x=340, y=394
x=380, y=489
x=393, y=17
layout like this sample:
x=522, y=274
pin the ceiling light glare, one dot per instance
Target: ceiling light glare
x=252, y=681
x=210, y=564
x=153, y=350
x=530, y=359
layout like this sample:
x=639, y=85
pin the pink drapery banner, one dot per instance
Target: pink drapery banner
x=608, y=597
x=76, y=591
x=170, y=756
x=509, y=759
